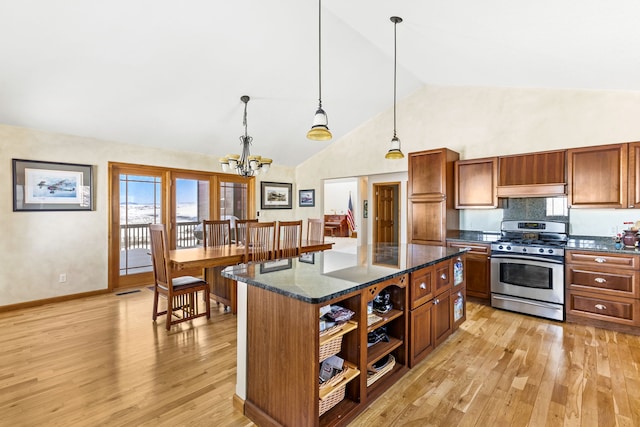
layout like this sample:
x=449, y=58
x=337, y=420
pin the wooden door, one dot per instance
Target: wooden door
x=386, y=214
x=598, y=176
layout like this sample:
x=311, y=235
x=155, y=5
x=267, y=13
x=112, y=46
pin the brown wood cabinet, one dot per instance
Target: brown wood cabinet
x=598, y=177
x=437, y=300
x=532, y=174
x=431, y=209
x=476, y=183
x=633, y=200
x=477, y=268
x=603, y=288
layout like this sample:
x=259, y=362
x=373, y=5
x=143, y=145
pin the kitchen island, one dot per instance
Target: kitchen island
x=279, y=346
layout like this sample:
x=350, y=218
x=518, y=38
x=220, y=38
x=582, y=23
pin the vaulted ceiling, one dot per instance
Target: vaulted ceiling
x=170, y=74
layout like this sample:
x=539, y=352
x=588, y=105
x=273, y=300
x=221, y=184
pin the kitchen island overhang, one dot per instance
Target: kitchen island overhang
x=278, y=303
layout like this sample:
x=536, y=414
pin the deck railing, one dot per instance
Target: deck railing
x=134, y=236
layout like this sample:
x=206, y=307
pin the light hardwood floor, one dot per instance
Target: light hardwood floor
x=102, y=361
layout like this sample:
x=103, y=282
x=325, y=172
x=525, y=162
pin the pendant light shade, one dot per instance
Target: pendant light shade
x=394, y=149
x=320, y=130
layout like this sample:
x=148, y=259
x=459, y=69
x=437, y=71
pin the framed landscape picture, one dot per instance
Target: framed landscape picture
x=275, y=195
x=50, y=186
x=307, y=198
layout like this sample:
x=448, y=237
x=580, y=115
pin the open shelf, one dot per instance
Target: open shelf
x=377, y=351
x=385, y=318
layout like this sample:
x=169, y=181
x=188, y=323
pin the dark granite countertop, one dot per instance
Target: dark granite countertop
x=473, y=236
x=322, y=276
x=597, y=244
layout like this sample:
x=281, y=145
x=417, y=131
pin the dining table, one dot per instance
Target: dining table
x=213, y=259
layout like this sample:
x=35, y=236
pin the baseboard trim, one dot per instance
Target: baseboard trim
x=36, y=303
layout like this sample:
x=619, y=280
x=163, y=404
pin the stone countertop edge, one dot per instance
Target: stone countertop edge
x=585, y=243
x=229, y=273
x=598, y=244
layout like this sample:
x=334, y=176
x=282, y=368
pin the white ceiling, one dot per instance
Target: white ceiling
x=170, y=73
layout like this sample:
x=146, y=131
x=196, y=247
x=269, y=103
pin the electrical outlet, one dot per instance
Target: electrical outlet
x=63, y=277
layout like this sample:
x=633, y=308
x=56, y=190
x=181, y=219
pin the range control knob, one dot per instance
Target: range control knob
x=551, y=251
x=541, y=250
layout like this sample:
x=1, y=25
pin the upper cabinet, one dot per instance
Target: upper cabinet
x=598, y=176
x=475, y=183
x=431, y=210
x=634, y=175
x=532, y=175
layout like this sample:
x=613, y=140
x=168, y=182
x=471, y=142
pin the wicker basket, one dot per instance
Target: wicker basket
x=333, y=391
x=330, y=348
x=372, y=377
x=332, y=339
x=332, y=399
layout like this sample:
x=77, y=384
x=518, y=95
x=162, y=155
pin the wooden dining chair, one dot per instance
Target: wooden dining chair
x=315, y=230
x=216, y=232
x=260, y=243
x=289, y=239
x=181, y=292
x=241, y=230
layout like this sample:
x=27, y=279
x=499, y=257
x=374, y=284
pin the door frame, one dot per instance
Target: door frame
x=115, y=281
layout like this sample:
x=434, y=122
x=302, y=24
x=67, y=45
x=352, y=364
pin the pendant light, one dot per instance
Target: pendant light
x=319, y=130
x=394, y=150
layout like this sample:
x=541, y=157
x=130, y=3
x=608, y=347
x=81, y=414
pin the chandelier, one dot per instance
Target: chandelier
x=394, y=149
x=245, y=164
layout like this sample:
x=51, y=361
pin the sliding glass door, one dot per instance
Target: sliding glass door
x=143, y=195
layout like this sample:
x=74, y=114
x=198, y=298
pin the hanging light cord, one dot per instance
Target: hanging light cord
x=320, y=53
x=395, y=55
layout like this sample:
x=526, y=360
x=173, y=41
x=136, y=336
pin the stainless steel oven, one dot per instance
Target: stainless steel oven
x=527, y=275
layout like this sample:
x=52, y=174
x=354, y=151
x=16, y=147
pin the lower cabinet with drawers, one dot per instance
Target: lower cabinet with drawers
x=602, y=289
x=437, y=305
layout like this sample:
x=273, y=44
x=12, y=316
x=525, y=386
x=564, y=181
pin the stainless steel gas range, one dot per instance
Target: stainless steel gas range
x=527, y=268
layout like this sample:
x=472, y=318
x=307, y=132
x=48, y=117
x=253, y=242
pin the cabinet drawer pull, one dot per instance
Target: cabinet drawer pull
x=600, y=280
x=600, y=260
x=601, y=306
x=423, y=285
x=436, y=301
x=443, y=277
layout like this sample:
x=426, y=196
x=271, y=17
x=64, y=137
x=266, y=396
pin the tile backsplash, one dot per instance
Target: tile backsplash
x=582, y=222
x=537, y=208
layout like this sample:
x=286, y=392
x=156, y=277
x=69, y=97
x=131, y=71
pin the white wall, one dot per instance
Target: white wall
x=36, y=247
x=477, y=122
x=480, y=122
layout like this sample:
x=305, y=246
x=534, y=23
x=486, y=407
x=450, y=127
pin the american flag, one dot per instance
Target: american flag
x=350, y=219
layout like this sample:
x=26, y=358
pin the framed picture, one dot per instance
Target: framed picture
x=275, y=195
x=308, y=258
x=277, y=265
x=49, y=186
x=307, y=198
x=365, y=209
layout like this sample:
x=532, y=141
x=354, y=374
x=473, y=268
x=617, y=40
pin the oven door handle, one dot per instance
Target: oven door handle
x=526, y=258
x=536, y=303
